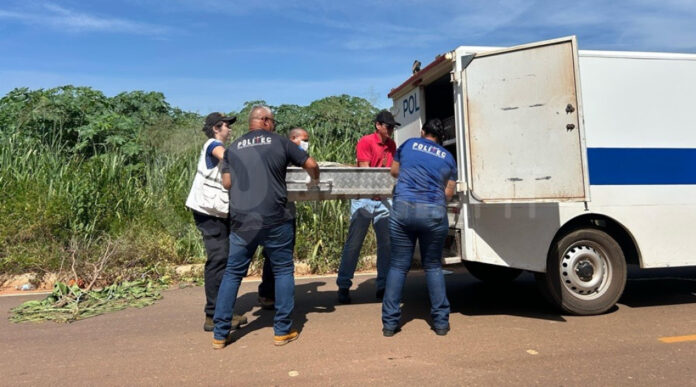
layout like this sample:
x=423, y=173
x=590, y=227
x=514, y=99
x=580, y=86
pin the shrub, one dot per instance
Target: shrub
x=81, y=170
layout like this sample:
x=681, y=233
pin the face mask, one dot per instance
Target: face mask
x=304, y=145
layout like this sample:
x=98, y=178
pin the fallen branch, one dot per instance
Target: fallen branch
x=70, y=303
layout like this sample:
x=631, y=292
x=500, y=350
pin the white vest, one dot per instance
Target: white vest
x=207, y=194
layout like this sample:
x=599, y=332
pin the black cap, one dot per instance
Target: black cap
x=215, y=118
x=386, y=117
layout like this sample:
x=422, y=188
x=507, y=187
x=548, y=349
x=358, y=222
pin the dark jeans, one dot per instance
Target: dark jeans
x=428, y=224
x=362, y=213
x=267, y=285
x=278, y=241
x=215, y=232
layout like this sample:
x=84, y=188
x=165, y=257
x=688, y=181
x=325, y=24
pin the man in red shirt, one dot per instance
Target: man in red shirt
x=373, y=150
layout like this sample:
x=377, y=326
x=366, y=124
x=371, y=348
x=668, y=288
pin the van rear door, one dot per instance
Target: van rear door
x=523, y=124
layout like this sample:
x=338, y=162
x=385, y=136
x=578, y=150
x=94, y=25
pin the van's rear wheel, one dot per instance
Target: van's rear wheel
x=491, y=273
x=585, y=272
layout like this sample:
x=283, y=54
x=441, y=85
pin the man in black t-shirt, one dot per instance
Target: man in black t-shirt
x=299, y=137
x=255, y=167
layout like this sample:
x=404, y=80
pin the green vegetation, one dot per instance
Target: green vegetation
x=70, y=303
x=91, y=181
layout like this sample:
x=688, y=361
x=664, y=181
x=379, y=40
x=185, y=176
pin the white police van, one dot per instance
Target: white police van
x=572, y=164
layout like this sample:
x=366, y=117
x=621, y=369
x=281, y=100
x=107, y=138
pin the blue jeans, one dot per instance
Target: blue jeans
x=267, y=285
x=279, y=243
x=362, y=213
x=428, y=224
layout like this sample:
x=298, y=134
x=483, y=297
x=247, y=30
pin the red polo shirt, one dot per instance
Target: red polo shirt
x=370, y=148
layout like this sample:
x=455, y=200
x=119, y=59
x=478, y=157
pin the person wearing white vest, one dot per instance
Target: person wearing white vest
x=209, y=201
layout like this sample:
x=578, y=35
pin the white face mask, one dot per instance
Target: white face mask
x=304, y=145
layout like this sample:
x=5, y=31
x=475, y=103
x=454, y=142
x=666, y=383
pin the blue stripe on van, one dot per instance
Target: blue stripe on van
x=622, y=166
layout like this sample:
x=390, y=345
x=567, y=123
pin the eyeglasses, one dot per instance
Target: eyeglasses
x=266, y=119
x=388, y=126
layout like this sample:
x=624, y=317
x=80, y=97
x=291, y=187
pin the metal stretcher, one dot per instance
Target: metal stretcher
x=339, y=182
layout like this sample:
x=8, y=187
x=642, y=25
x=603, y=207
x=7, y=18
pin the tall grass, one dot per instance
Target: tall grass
x=50, y=198
x=54, y=199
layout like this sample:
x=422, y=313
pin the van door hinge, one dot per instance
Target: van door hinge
x=462, y=186
x=455, y=77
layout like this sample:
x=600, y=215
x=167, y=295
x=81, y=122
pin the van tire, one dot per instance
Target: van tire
x=491, y=273
x=585, y=272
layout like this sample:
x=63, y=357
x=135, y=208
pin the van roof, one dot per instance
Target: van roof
x=417, y=78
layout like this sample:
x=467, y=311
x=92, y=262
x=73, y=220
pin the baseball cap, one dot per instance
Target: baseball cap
x=214, y=118
x=386, y=117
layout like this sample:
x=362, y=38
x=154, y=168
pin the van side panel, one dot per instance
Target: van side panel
x=641, y=139
x=638, y=103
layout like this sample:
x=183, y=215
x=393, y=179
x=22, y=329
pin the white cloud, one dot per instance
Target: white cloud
x=389, y=41
x=657, y=33
x=638, y=25
x=356, y=25
x=387, y=35
x=59, y=17
x=369, y=25
x=478, y=18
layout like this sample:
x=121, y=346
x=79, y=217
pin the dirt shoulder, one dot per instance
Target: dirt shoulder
x=12, y=285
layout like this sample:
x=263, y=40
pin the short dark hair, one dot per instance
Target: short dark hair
x=434, y=128
x=209, y=130
x=215, y=120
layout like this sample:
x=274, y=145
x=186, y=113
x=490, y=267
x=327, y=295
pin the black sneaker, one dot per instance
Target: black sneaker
x=441, y=331
x=344, y=296
x=390, y=332
x=380, y=294
x=267, y=303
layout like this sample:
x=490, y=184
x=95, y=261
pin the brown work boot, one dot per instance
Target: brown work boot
x=220, y=344
x=237, y=321
x=208, y=325
x=284, y=339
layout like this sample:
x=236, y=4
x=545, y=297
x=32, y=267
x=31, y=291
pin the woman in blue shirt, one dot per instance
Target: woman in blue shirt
x=427, y=175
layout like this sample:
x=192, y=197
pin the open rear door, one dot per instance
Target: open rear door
x=523, y=124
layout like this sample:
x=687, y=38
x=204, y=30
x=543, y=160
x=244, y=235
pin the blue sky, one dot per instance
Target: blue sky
x=207, y=55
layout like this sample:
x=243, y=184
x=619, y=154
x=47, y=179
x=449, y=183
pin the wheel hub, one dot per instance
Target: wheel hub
x=584, y=271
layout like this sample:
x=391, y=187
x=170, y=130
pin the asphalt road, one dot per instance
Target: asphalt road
x=500, y=336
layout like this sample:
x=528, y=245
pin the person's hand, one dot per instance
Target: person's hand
x=313, y=183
